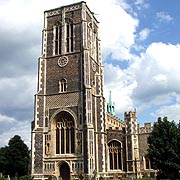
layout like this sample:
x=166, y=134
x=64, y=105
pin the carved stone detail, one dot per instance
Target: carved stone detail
x=53, y=13
x=72, y=8
x=66, y=9
x=62, y=61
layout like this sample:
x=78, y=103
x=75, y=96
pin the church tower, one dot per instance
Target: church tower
x=68, y=131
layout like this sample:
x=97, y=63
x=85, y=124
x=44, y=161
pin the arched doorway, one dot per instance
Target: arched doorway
x=64, y=171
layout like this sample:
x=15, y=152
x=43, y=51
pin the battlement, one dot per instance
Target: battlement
x=70, y=7
x=130, y=114
x=147, y=128
x=114, y=122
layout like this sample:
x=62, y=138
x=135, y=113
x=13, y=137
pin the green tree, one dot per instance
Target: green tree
x=3, y=178
x=3, y=160
x=14, y=158
x=164, y=148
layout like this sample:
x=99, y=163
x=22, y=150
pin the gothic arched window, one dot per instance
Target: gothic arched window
x=69, y=35
x=63, y=85
x=115, y=155
x=65, y=133
x=147, y=163
x=57, y=38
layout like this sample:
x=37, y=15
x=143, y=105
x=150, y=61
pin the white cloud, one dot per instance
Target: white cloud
x=143, y=35
x=17, y=107
x=178, y=98
x=139, y=2
x=20, y=15
x=170, y=111
x=161, y=78
x=17, y=92
x=164, y=17
x=121, y=83
x=150, y=79
x=157, y=73
x=167, y=56
x=11, y=127
x=123, y=4
x=117, y=33
x=4, y=118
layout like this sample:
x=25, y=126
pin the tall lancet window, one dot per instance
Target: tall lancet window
x=65, y=133
x=58, y=38
x=115, y=155
x=69, y=36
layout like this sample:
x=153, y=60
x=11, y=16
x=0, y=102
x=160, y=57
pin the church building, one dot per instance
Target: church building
x=75, y=133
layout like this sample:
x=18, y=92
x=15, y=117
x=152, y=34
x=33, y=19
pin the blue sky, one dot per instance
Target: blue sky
x=150, y=67
x=140, y=42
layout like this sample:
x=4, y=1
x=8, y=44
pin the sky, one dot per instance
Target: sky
x=140, y=43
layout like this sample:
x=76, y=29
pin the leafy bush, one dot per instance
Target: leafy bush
x=25, y=178
x=3, y=178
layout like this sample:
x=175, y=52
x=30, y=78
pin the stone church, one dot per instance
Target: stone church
x=75, y=133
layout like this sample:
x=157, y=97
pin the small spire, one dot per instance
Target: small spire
x=110, y=101
x=111, y=105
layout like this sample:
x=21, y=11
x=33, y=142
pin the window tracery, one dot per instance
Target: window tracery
x=65, y=134
x=115, y=155
x=69, y=35
x=58, y=38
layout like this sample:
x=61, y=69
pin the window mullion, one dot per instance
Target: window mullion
x=65, y=140
x=69, y=140
x=60, y=140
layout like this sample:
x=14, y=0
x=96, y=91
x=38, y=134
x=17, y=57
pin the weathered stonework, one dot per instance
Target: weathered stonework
x=72, y=135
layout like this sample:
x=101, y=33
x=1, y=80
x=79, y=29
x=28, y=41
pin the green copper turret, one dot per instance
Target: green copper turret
x=111, y=106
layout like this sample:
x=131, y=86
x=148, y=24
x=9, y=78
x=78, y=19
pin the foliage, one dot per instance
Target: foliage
x=164, y=148
x=14, y=158
x=25, y=178
x=3, y=160
x=3, y=178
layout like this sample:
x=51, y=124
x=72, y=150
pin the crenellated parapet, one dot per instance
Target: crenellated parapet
x=114, y=122
x=130, y=114
x=131, y=122
x=146, y=129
